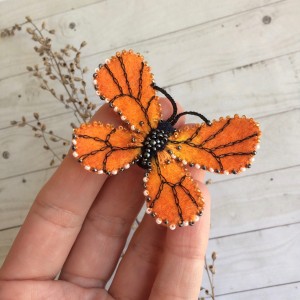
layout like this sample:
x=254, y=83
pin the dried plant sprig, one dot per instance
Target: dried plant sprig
x=62, y=66
x=210, y=272
x=48, y=136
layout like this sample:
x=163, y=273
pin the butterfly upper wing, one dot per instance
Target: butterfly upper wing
x=102, y=148
x=173, y=198
x=125, y=82
x=227, y=146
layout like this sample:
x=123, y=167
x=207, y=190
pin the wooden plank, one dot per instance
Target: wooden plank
x=256, y=259
x=255, y=202
x=185, y=43
x=6, y=239
x=239, y=90
x=26, y=152
x=280, y=292
x=281, y=138
x=12, y=12
x=17, y=195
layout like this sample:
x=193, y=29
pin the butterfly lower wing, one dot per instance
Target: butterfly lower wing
x=125, y=82
x=101, y=148
x=172, y=196
x=227, y=146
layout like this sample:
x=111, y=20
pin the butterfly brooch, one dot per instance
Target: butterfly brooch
x=226, y=146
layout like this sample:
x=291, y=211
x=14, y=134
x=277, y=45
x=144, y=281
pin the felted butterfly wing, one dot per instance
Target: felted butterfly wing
x=227, y=146
x=172, y=195
x=102, y=148
x=124, y=81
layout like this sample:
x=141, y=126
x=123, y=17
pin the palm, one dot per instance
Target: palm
x=78, y=226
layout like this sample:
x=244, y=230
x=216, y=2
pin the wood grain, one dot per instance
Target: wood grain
x=182, y=34
x=257, y=259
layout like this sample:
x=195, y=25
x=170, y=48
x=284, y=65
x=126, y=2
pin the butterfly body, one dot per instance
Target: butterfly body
x=226, y=146
x=155, y=142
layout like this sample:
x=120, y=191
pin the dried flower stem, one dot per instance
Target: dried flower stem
x=211, y=280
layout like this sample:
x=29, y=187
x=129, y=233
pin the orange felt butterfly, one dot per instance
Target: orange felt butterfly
x=225, y=146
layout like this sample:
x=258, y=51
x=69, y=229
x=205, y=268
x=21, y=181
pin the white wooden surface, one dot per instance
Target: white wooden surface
x=215, y=57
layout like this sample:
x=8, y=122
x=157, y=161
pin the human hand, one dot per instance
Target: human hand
x=78, y=226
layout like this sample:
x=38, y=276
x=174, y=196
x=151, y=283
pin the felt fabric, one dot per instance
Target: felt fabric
x=228, y=145
x=125, y=81
x=174, y=197
x=101, y=147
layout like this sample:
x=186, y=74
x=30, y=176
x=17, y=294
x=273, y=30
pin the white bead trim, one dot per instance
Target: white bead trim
x=158, y=220
x=148, y=211
x=172, y=226
x=75, y=154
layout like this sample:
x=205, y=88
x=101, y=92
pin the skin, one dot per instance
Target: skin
x=78, y=225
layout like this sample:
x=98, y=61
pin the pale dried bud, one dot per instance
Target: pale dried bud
x=83, y=44
x=214, y=256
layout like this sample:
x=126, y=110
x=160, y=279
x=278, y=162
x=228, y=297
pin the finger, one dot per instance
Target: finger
x=55, y=219
x=180, y=274
x=98, y=247
x=139, y=267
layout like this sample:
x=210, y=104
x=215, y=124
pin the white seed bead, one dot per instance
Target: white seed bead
x=211, y=170
x=100, y=172
x=75, y=154
x=226, y=172
x=106, y=100
x=123, y=118
x=114, y=172
x=145, y=179
x=132, y=127
x=158, y=220
x=172, y=226
x=95, y=82
x=146, y=193
x=87, y=167
x=98, y=93
x=173, y=156
x=127, y=166
x=74, y=142
x=116, y=108
x=107, y=61
x=257, y=147
x=96, y=70
x=148, y=211
x=252, y=159
x=184, y=162
x=185, y=223
x=242, y=169
x=196, y=219
x=197, y=166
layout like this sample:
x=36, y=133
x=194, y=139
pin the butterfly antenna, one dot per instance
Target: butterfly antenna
x=169, y=97
x=191, y=113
